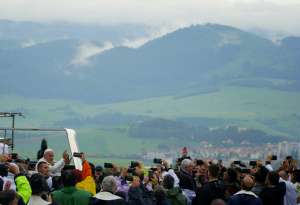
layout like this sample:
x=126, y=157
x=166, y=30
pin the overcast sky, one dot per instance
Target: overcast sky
x=274, y=15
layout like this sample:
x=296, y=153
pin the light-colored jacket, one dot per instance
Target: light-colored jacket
x=55, y=170
x=37, y=200
x=106, y=196
x=290, y=197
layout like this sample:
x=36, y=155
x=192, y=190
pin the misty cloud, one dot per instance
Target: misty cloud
x=153, y=33
x=28, y=43
x=87, y=50
x=278, y=15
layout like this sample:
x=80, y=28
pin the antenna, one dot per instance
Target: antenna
x=12, y=115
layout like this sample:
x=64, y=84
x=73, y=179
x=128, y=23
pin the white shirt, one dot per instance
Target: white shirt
x=175, y=177
x=55, y=170
x=37, y=200
x=246, y=192
x=9, y=179
x=290, y=197
x=106, y=196
x=269, y=167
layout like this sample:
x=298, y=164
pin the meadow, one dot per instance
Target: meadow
x=273, y=111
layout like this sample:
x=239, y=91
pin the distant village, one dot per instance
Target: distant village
x=244, y=152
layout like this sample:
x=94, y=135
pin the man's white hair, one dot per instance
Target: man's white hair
x=185, y=163
x=109, y=184
x=48, y=150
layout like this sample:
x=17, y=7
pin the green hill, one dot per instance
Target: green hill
x=200, y=78
x=104, y=128
x=197, y=58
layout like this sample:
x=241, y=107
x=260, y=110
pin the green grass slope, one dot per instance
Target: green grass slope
x=275, y=112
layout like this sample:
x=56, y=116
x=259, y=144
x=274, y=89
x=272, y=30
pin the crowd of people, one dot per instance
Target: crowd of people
x=188, y=182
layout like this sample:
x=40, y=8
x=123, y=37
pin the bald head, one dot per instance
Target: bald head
x=247, y=183
x=284, y=175
x=218, y=202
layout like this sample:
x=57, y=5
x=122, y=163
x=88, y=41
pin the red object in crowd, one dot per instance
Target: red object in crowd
x=184, y=151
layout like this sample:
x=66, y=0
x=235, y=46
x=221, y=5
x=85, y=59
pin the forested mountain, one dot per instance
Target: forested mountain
x=196, y=59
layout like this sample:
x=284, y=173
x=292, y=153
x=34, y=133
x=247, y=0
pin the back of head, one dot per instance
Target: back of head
x=283, y=174
x=218, y=202
x=213, y=170
x=168, y=182
x=200, y=162
x=232, y=175
x=68, y=178
x=3, y=170
x=261, y=175
x=109, y=184
x=273, y=178
x=6, y=197
x=247, y=183
x=38, y=184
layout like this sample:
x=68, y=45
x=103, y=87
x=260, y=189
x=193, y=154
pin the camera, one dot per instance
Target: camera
x=274, y=157
x=153, y=169
x=129, y=178
x=14, y=156
x=252, y=163
x=68, y=167
x=77, y=154
x=245, y=171
x=157, y=161
x=108, y=165
x=199, y=162
x=237, y=162
x=131, y=170
x=134, y=164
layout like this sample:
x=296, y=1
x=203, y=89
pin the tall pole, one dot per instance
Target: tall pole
x=12, y=115
x=13, y=132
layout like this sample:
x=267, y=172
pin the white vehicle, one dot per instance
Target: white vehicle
x=71, y=137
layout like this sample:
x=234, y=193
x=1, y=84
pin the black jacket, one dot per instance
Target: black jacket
x=210, y=191
x=244, y=198
x=139, y=196
x=186, y=181
x=273, y=195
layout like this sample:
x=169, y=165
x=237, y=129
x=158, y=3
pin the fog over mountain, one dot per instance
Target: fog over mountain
x=92, y=68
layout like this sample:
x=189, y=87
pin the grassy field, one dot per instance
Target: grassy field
x=98, y=143
x=229, y=102
x=273, y=111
